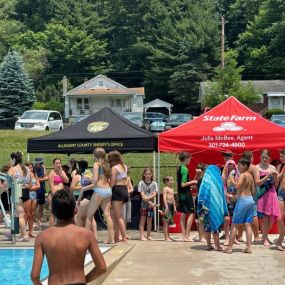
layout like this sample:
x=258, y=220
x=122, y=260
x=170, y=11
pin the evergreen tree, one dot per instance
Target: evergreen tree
x=16, y=88
x=185, y=50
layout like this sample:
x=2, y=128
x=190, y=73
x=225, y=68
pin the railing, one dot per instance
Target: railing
x=16, y=187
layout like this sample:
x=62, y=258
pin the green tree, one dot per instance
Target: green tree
x=261, y=46
x=16, y=88
x=227, y=82
x=185, y=50
x=9, y=27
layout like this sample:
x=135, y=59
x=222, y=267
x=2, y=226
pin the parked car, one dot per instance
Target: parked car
x=155, y=116
x=157, y=126
x=278, y=119
x=134, y=117
x=7, y=119
x=40, y=120
x=78, y=119
x=177, y=119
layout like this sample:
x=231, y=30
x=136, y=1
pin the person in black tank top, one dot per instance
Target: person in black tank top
x=42, y=177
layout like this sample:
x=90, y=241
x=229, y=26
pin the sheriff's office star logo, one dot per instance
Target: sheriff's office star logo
x=95, y=127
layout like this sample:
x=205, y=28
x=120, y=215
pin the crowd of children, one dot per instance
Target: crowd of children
x=238, y=194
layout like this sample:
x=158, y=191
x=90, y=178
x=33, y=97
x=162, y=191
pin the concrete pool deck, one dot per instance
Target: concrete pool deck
x=158, y=262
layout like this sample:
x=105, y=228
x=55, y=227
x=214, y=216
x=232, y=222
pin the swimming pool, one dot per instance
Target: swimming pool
x=16, y=265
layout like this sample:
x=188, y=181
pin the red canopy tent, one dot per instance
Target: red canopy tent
x=228, y=126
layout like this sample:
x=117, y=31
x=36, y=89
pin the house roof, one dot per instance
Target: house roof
x=157, y=103
x=100, y=91
x=138, y=90
x=91, y=87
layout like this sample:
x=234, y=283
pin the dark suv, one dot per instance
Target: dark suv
x=7, y=119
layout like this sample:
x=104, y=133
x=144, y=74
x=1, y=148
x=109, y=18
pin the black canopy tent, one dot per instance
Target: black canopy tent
x=105, y=128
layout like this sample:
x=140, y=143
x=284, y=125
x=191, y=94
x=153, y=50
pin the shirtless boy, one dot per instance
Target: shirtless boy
x=169, y=206
x=65, y=246
x=244, y=209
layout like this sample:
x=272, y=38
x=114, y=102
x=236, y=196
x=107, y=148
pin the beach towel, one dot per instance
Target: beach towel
x=211, y=199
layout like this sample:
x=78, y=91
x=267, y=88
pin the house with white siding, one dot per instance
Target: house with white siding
x=100, y=92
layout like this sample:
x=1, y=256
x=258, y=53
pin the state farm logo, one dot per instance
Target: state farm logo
x=227, y=126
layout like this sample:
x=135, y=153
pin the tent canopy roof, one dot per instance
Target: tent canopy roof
x=228, y=126
x=105, y=128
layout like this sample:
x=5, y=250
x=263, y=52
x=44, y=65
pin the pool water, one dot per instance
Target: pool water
x=16, y=265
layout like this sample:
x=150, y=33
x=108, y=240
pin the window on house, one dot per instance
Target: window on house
x=118, y=103
x=101, y=84
x=79, y=103
x=86, y=103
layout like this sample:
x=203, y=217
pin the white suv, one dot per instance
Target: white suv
x=40, y=120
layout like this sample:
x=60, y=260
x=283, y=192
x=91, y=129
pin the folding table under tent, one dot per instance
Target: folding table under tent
x=229, y=126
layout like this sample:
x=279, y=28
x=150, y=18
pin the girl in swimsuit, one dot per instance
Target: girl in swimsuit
x=22, y=174
x=102, y=193
x=31, y=204
x=265, y=175
x=56, y=179
x=83, y=181
x=119, y=192
x=281, y=198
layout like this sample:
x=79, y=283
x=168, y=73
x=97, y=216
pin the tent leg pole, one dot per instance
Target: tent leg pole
x=154, y=173
x=158, y=185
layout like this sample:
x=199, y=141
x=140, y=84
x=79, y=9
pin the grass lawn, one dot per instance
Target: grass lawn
x=17, y=141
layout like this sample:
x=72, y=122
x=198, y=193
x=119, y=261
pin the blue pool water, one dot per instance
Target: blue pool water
x=16, y=265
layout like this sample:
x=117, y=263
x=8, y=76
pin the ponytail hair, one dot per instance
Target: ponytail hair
x=18, y=156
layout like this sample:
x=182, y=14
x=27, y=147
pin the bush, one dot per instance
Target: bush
x=270, y=112
x=54, y=105
x=39, y=105
x=49, y=105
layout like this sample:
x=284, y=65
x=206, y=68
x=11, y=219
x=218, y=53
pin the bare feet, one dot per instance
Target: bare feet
x=247, y=250
x=122, y=241
x=128, y=237
x=226, y=243
x=109, y=242
x=197, y=239
x=219, y=248
x=210, y=248
x=228, y=251
x=236, y=241
x=168, y=239
x=266, y=243
x=187, y=240
x=31, y=235
x=143, y=238
x=150, y=238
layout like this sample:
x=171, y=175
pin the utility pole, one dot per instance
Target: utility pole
x=223, y=43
